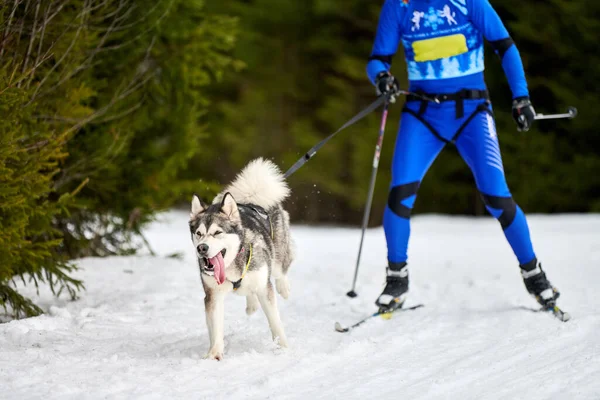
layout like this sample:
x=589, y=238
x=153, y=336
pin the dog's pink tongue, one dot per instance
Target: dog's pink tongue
x=219, y=267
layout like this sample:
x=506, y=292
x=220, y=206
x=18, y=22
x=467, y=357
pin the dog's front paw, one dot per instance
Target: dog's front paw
x=214, y=354
x=251, y=304
x=281, y=341
x=283, y=286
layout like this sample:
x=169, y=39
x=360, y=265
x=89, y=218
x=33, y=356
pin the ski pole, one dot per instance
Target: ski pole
x=366, y=214
x=571, y=113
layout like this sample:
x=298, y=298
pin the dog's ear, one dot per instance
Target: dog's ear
x=229, y=207
x=198, y=206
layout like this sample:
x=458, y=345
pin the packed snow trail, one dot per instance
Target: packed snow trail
x=138, y=332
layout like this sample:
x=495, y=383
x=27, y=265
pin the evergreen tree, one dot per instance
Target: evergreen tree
x=151, y=78
x=102, y=104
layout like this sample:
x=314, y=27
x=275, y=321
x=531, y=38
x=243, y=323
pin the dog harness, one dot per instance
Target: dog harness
x=263, y=213
x=238, y=283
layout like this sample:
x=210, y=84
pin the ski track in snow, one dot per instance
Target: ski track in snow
x=139, y=329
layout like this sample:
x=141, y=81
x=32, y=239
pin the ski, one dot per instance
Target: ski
x=383, y=314
x=554, y=311
x=558, y=313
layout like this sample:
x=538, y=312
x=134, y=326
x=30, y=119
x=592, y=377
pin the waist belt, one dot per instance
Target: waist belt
x=465, y=94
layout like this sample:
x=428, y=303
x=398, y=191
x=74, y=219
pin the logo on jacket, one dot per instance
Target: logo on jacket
x=449, y=15
x=416, y=20
x=433, y=18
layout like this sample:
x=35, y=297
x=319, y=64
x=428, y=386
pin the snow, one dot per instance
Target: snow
x=138, y=332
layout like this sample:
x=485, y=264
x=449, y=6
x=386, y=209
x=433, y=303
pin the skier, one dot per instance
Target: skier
x=443, y=49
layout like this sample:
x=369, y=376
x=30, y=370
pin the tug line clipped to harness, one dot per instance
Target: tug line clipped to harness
x=384, y=98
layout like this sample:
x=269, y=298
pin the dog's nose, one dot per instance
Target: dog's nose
x=202, y=248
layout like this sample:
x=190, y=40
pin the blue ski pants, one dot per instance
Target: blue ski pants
x=417, y=146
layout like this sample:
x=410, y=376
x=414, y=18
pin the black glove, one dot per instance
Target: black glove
x=523, y=113
x=386, y=84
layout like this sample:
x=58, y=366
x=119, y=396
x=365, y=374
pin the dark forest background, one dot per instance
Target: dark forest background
x=115, y=110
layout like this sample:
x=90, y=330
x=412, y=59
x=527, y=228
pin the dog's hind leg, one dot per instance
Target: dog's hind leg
x=251, y=304
x=214, y=303
x=283, y=286
x=268, y=302
x=282, y=282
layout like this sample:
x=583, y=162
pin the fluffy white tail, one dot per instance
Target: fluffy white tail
x=260, y=182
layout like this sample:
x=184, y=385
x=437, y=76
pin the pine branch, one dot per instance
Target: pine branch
x=20, y=306
x=143, y=33
x=132, y=24
x=88, y=62
x=131, y=88
x=58, y=279
x=34, y=96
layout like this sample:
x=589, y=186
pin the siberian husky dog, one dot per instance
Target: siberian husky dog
x=242, y=239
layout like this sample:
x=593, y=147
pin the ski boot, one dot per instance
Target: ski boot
x=396, y=288
x=538, y=285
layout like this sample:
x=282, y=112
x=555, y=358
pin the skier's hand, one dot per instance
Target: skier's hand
x=523, y=113
x=385, y=84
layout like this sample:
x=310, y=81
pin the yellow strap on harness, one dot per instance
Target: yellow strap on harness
x=247, y=264
x=237, y=284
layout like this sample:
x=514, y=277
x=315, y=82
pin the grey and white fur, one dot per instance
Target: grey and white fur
x=246, y=216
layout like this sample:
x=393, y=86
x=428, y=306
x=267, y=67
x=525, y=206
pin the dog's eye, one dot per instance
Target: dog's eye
x=198, y=234
x=217, y=233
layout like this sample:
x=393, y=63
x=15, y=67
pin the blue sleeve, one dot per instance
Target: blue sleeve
x=387, y=39
x=485, y=18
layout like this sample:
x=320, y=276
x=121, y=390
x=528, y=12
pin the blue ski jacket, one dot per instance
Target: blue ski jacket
x=443, y=44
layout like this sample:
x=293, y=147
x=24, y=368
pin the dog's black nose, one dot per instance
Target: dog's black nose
x=202, y=248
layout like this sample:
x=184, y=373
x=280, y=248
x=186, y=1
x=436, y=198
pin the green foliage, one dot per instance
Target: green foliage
x=29, y=157
x=102, y=105
x=305, y=76
x=135, y=154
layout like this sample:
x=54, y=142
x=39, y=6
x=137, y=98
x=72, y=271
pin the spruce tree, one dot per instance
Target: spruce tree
x=102, y=105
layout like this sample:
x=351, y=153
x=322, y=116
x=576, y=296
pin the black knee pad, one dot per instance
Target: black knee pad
x=506, y=204
x=399, y=193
